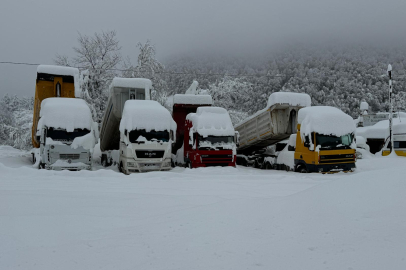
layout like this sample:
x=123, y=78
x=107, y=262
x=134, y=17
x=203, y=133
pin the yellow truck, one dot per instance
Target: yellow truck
x=325, y=140
x=52, y=81
x=399, y=145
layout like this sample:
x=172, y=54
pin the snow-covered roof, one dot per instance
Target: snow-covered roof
x=325, y=120
x=192, y=99
x=65, y=113
x=381, y=129
x=62, y=71
x=146, y=114
x=211, y=121
x=293, y=99
x=131, y=83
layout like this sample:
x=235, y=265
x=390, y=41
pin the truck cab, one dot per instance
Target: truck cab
x=209, y=139
x=66, y=142
x=325, y=140
x=147, y=131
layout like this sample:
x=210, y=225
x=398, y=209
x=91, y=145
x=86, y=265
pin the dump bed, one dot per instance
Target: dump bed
x=121, y=90
x=274, y=123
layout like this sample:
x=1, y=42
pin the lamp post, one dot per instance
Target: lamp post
x=390, y=107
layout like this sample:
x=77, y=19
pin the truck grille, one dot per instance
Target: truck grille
x=69, y=156
x=149, y=154
x=336, y=158
x=215, y=159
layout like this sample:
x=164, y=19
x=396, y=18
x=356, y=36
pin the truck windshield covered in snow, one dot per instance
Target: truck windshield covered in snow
x=215, y=142
x=64, y=136
x=329, y=142
x=142, y=135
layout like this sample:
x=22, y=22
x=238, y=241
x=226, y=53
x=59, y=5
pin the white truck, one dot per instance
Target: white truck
x=138, y=147
x=276, y=122
x=67, y=135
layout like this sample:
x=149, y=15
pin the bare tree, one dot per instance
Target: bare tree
x=98, y=56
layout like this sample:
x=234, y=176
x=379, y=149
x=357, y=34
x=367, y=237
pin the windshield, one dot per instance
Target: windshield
x=215, y=142
x=333, y=142
x=141, y=135
x=64, y=136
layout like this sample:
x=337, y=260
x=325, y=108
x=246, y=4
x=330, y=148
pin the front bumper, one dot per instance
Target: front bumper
x=323, y=168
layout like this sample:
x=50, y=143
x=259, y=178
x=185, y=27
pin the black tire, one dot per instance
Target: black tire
x=302, y=169
x=268, y=166
x=121, y=168
x=42, y=165
x=189, y=165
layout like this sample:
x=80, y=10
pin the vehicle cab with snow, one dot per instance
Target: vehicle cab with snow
x=325, y=140
x=399, y=140
x=147, y=131
x=67, y=135
x=209, y=139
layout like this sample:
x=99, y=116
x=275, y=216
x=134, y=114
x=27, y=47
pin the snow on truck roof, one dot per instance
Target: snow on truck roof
x=65, y=113
x=131, y=83
x=146, y=114
x=291, y=98
x=211, y=121
x=192, y=99
x=325, y=120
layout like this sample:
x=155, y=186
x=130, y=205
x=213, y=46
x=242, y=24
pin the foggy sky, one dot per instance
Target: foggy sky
x=35, y=31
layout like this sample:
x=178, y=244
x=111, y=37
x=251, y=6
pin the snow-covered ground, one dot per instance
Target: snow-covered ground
x=207, y=218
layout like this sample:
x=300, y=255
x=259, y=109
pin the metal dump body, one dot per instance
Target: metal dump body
x=267, y=127
x=121, y=90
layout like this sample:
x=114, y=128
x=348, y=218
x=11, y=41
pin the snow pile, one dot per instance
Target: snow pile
x=211, y=121
x=146, y=114
x=293, y=99
x=381, y=129
x=192, y=99
x=362, y=143
x=65, y=113
x=325, y=120
x=87, y=141
x=62, y=71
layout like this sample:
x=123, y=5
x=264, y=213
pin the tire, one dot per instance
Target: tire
x=42, y=166
x=104, y=163
x=268, y=166
x=189, y=165
x=302, y=169
x=121, y=168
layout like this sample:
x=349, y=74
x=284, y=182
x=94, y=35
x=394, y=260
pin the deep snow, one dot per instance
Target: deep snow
x=207, y=218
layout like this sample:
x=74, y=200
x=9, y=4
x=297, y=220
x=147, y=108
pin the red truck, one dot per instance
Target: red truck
x=204, y=138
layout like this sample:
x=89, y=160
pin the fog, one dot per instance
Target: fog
x=35, y=31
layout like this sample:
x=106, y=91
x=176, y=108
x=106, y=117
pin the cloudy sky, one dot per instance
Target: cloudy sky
x=35, y=31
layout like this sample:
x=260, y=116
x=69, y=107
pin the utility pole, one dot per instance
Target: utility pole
x=390, y=107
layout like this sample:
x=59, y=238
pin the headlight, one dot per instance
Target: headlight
x=130, y=164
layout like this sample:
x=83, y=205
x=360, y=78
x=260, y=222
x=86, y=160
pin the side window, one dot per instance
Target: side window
x=307, y=141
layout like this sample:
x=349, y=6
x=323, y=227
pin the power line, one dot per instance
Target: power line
x=164, y=72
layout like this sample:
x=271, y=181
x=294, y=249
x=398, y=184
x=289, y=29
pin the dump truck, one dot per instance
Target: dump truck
x=140, y=130
x=52, y=81
x=276, y=122
x=325, y=140
x=67, y=134
x=183, y=104
x=120, y=90
x=209, y=139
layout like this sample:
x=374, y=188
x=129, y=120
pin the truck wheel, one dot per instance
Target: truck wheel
x=189, y=165
x=302, y=169
x=268, y=166
x=121, y=168
x=42, y=165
